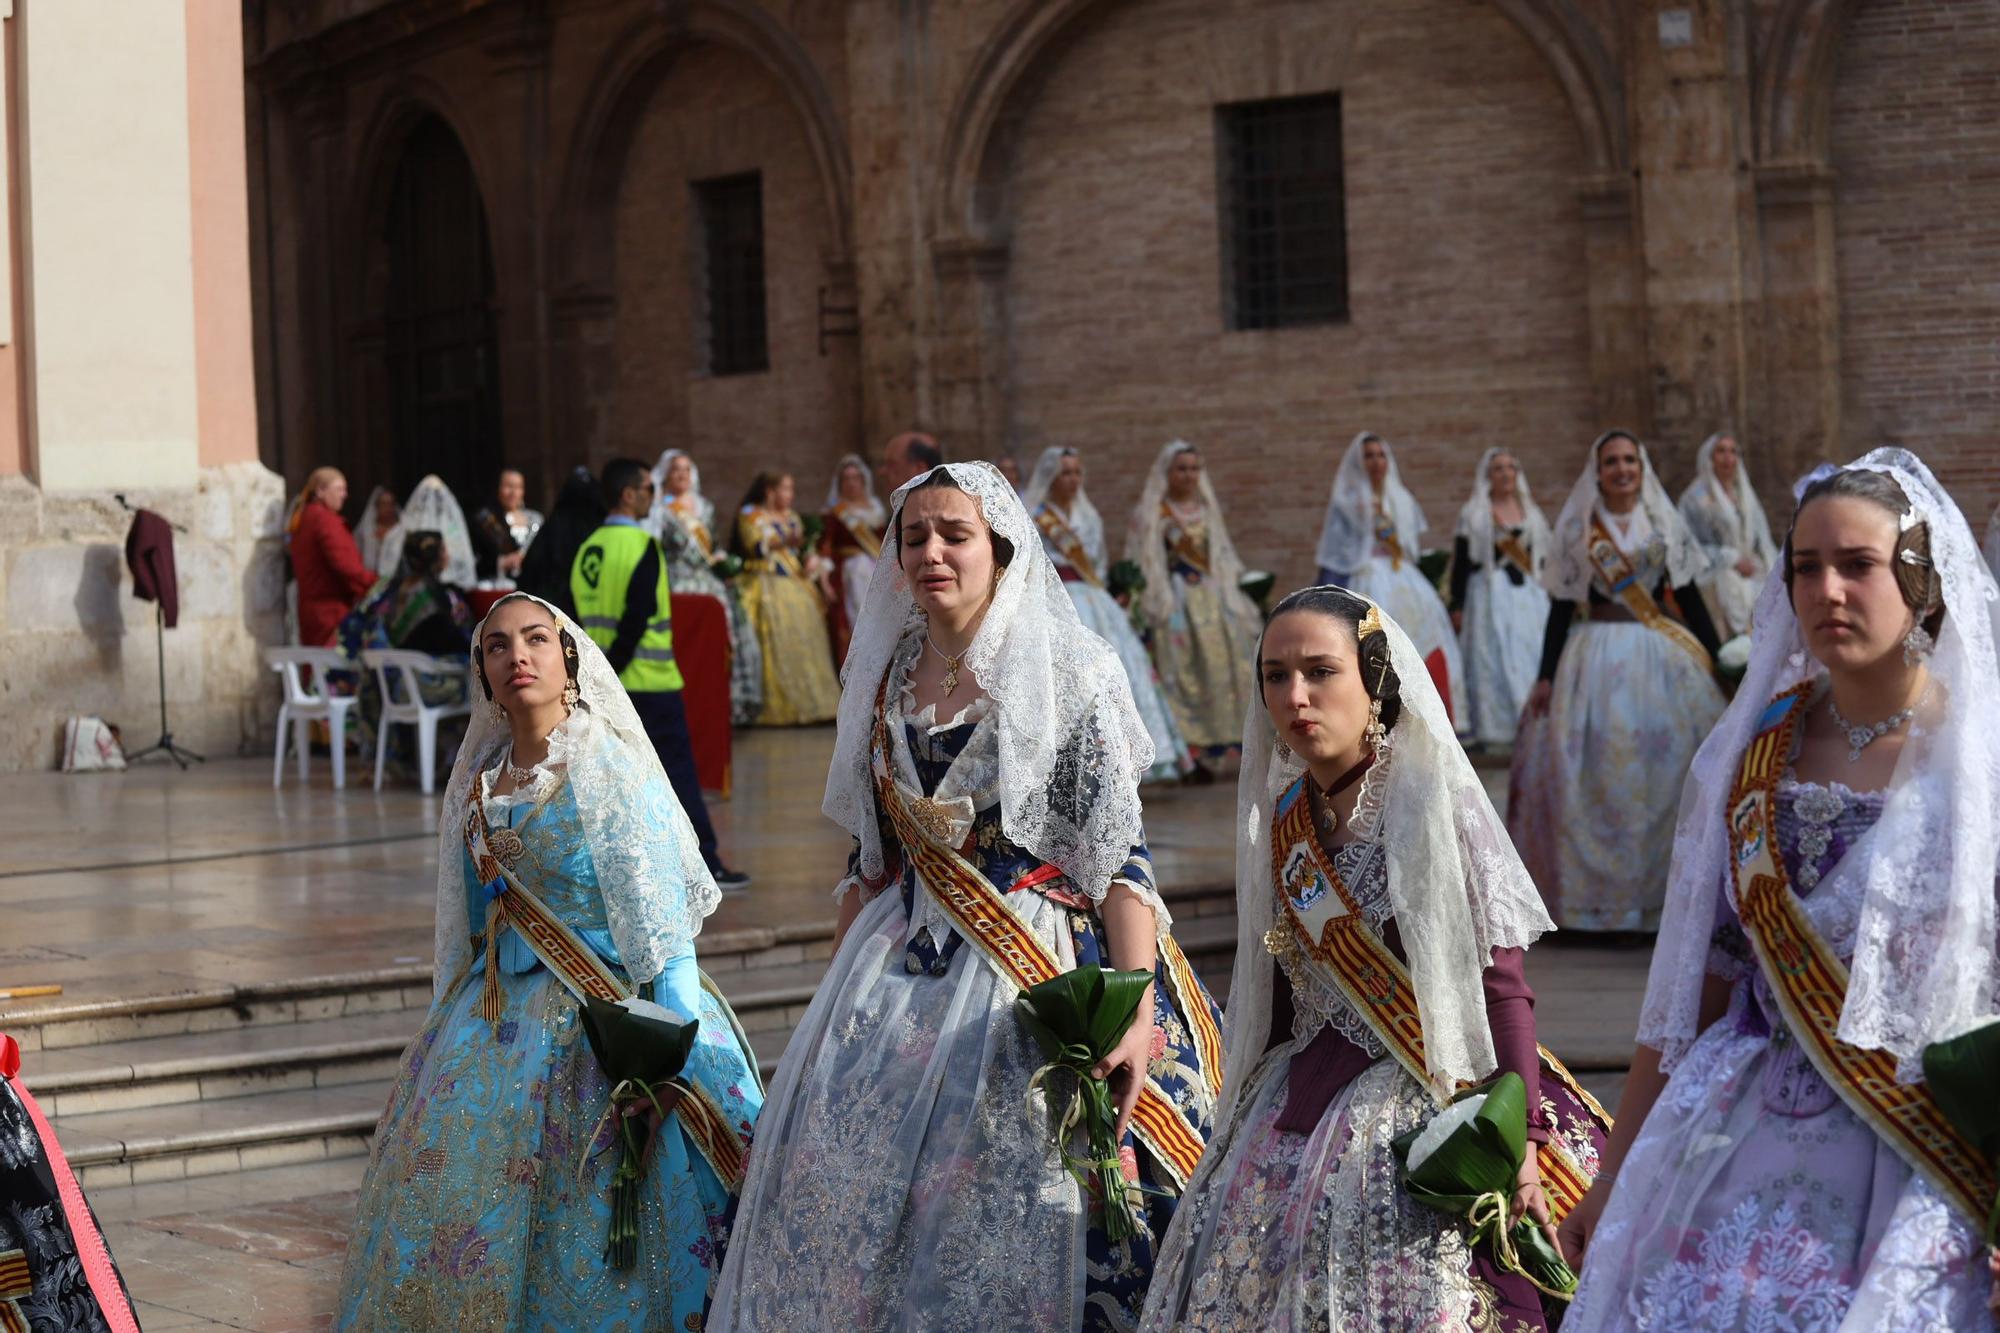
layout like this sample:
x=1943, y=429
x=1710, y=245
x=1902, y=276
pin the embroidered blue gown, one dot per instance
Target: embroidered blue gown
x=474, y=1214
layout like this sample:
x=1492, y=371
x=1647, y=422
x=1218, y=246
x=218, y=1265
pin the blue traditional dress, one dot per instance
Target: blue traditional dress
x=486, y=1203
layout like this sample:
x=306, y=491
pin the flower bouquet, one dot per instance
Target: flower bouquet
x=1466, y=1161
x=1124, y=580
x=727, y=565
x=1078, y=1019
x=1962, y=1074
x=1257, y=584
x=642, y=1047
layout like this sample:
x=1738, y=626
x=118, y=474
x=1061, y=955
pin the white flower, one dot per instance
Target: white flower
x=1442, y=1126
x=647, y=1009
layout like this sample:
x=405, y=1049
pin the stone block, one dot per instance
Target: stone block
x=66, y=588
x=20, y=510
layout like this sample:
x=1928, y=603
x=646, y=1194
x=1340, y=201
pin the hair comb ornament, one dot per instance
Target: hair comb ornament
x=1370, y=623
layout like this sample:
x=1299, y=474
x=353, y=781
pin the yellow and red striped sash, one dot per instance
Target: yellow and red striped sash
x=1613, y=566
x=16, y=1285
x=1385, y=536
x=1064, y=539
x=980, y=913
x=1810, y=981
x=864, y=534
x=1509, y=545
x=1376, y=985
x=582, y=972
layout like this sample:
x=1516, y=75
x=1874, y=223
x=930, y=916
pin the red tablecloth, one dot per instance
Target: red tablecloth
x=481, y=601
x=701, y=645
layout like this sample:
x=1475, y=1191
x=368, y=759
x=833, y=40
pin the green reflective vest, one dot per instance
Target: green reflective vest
x=599, y=580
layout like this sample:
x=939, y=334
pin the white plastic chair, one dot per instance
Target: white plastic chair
x=394, y=666
x=306, y=703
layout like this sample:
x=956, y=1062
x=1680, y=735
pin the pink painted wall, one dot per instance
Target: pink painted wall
x=13, y=424
x=217, y=171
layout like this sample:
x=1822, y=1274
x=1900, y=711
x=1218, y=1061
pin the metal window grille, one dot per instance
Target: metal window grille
x=1284, y=215
x=731, y=210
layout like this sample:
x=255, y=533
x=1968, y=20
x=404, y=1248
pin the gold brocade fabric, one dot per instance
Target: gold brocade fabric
x=785, y=609
x=1204, y=672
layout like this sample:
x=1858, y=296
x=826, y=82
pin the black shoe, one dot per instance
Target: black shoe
x=731, y=881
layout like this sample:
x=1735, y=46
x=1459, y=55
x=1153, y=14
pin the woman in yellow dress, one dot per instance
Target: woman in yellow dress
x=778, y=594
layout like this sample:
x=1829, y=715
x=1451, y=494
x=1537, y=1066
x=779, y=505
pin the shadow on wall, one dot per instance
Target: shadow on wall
x=100, y=587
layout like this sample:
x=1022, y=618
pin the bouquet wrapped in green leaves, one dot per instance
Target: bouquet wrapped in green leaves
x=810, y=527
x=1078, y=1019
x=1963, y=1074
x=1256, y=585
x=1124, y=580
x=642, y=1047
x=727, y=565
x=1466, y=1161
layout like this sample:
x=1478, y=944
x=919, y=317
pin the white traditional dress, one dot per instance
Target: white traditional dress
x=1591, y=796
x=1496, y=587
x=1730, y=524
x=1074, y=541
x=1369, y=542
x=903, y=1178
x=685, y=525
x=1757, y=1196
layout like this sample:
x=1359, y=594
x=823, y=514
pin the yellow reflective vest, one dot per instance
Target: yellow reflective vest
x=600, y=580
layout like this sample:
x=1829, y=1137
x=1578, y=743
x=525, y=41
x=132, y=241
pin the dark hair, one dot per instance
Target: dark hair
x=423, y=551
x=479, y=649
x=1910, y=561
x=620, y=474
x=939, y=479
x=1378, y=676
x=924, y=452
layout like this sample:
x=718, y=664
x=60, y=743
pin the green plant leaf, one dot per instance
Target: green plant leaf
x=631, y=1044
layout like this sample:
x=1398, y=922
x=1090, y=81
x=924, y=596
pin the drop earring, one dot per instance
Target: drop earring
x=570, y=694
x=1917, y=645
x=1374, y=731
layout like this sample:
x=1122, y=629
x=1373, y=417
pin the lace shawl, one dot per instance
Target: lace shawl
x=1081, y=516
x=1568, y=572
x=1071, y=746
x=1730, y=521
x=1144, y=544
x=1924, y=957
x=1347, y=536
x=871, y=504
x=656, y=889
x=432, y=508
x=663, y=513
x=1475, y=517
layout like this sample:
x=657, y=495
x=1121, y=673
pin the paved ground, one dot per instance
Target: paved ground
x=152, y=881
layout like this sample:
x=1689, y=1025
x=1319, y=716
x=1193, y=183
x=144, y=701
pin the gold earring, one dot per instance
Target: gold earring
x=499, y=713
x=570, y=694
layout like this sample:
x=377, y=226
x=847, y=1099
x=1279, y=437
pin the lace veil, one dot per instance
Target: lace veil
x=1740, y=499
x=1568, y=572
x=1070, y=743
x=1143, y=543
x=432, y=508
x=649, y=868
x=1993, y=541
x=1475, y=518
x=1084, y=520
x=876, y=514
x=662, y=511
x=1456, y=884
x=1348, y=534
x=1923, y=966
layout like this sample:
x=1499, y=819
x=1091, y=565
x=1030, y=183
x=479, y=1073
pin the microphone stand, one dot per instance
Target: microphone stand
x=165, y=745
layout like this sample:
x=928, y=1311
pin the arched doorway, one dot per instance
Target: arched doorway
x=440, y=358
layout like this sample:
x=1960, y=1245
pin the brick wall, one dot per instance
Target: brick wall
x=715, y=114
x=1916, y=136
x=1465, y=261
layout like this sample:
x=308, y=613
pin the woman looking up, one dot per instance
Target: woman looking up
x=1778, y=1161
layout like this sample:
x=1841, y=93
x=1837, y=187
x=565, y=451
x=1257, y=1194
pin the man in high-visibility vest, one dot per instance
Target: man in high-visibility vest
x=619, y=580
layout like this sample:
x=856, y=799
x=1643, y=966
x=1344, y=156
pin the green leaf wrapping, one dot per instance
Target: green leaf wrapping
x=642, y=1049
x=1963, y=1075
x=1077, y=1019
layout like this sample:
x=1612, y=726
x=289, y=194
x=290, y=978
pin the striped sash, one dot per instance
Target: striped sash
x=1182, y=544
x=865, y=536
x=15, y=1286
x=1508, y=545
x=1385, y=537
x=1810, y=981
x=582, y=972
x=1319, y=917
x=981, y=914
x=1615, y=568
x=1064, y=539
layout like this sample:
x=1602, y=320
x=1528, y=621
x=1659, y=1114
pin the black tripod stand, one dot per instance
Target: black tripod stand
x=165, y=745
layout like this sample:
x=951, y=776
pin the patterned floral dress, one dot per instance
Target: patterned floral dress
x=1204, y=668
x=785, y=610
x=902, y=1179
x=486, y=1202
x=687, y=525
x=1754, y=1198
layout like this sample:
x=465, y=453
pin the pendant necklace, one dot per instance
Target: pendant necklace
x=950, y=666
x=1860, y=737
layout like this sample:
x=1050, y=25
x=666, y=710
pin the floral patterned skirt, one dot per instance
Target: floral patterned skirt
x=799, y=682
x=1294, y=1232
x=1755, y=1199
x=1205, y=672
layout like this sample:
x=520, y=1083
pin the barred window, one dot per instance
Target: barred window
x=731, y=210
x=1284, y=213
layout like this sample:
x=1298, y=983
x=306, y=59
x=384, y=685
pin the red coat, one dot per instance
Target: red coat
x=331, y=577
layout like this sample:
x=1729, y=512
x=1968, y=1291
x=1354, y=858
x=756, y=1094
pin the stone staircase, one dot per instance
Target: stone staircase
x=204, y=1082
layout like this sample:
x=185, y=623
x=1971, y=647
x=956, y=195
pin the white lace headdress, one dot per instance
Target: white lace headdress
x=1458, y=888
x=1923, y=966
x=1083, y=518
x=648, y=862
x=661, y=512
x=873, y=501
x=1347, y=536
x=1741, y=497
x=1568, y=573
x=1475, y=517
x=1071, y=746
x=1144, y=545
x=432, y=508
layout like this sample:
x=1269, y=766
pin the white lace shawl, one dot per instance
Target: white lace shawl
x=1924, y=961
x=663, y=512
x=1730, y=521
x=366, y=536
x=1568, y=573
x=1081, y=517
x=1347, y=536
x=1456, y=885
x=432, y=508
x=1993, y=542
x=872, y=505
x=1475, y=517
x=1072, y=748
x=649, y=869
x=1144, y=544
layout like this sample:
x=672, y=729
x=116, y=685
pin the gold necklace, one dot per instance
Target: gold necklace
x=950, y=666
